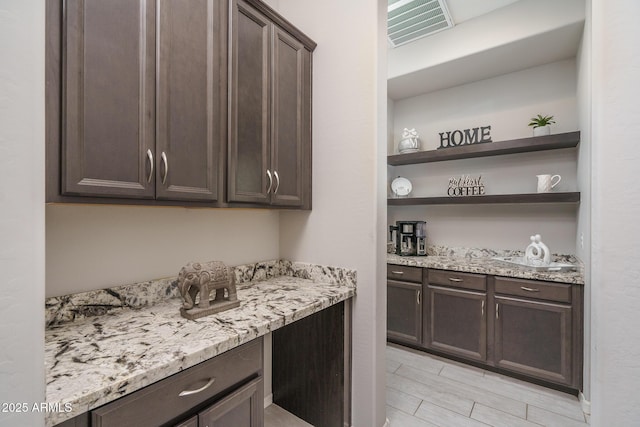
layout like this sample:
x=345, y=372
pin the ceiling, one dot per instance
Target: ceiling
x=427, y=17
x=463, y=10
x=490, y=38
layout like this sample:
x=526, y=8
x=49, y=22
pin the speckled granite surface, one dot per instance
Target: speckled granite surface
x=479, y=261
x=94, y=360
x=136, y=296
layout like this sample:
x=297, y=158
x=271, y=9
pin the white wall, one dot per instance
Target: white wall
x=506, y=103
x=615, y=274
x=346, y=225
x=22, y=212
x=97, y=246
x=583, y=235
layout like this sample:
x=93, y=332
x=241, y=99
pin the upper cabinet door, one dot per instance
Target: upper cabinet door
x=108, y=98
x=290, y=118
x=249, y=178
x=191, y=98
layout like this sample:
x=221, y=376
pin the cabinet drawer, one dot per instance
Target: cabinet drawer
x=476, y=282
x=549, y=291
x=161, y=402
x=404, y=273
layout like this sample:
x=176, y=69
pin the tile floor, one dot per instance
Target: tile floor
x=424, y=391
x=275, y=416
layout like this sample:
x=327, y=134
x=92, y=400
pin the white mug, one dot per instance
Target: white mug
x=546, y=183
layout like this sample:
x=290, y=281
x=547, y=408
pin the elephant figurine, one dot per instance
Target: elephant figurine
x=202, y=279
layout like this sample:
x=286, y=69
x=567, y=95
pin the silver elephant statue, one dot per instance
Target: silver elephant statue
x=203, y=278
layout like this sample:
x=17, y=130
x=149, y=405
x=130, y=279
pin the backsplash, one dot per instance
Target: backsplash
x=68, y=308
x=460, y=252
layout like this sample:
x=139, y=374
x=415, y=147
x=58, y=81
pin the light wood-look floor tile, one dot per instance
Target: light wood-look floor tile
x=497, y=418
x=402, y=401
x=275, y=416
x=398, y=418
x=392, y=365
x=443, y=417
x=451, y=394
x=466, y=391
x=551, y=419
x=430, y=394
x=552, y=400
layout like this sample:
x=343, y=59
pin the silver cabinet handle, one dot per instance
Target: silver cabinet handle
x=418, y=295
x=150, y=157
x=166, y=166
x=270, y=181
x=398, y=272
x=524, y=288
x=455, y=279
x=483, y=309
x=275, y=173
x=198, y=390
x=497, y=311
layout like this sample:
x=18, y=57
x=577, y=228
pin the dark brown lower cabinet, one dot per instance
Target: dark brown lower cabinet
x=538, y=330
x=225, y=391
x=458, y=323
x=404, y=311
x=191, y=422
x=243, y=408
x=526, y=328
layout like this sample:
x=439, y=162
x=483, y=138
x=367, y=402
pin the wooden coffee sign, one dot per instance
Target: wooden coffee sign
x=457, y=138
x=465, y=186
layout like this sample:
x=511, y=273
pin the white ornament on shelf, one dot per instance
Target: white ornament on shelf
x=409, y=142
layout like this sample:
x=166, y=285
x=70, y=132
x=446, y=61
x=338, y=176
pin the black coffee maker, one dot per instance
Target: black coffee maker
x=410, y=238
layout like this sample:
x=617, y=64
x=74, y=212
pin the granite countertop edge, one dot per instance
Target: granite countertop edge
x=92, y=361
x=487, y=265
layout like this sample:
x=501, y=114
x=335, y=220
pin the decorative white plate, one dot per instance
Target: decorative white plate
x=401, y=187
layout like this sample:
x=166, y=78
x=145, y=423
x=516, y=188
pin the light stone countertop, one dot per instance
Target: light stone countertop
x=486, y=265
x=95, y=360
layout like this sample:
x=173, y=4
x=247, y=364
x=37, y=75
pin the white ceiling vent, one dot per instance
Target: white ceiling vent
x=408, y=20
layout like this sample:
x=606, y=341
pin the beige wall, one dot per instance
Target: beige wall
x=22, y=209
x=97, y=246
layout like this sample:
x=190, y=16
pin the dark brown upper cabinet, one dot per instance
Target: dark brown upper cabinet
x=191, y=98
x=269, y=156
x=108, y=85
x=136, y=100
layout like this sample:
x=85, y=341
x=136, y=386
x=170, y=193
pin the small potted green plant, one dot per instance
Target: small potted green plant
x=541, y=125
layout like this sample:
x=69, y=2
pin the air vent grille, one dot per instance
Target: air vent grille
x=408, y=20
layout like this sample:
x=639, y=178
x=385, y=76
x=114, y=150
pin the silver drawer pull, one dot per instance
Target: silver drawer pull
x=497, y=311
x=482, y=315
x=150, y=157
x=166, y=166
x=418, y=294
x=270, y=181
x=398, y=272
x=277, y=177
x=455, y=279
x=198, y=390
x=524, y=288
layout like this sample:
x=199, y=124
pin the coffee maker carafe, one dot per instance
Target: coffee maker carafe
x=410, y=238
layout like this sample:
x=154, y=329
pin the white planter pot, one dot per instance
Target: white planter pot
x=542, y=130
